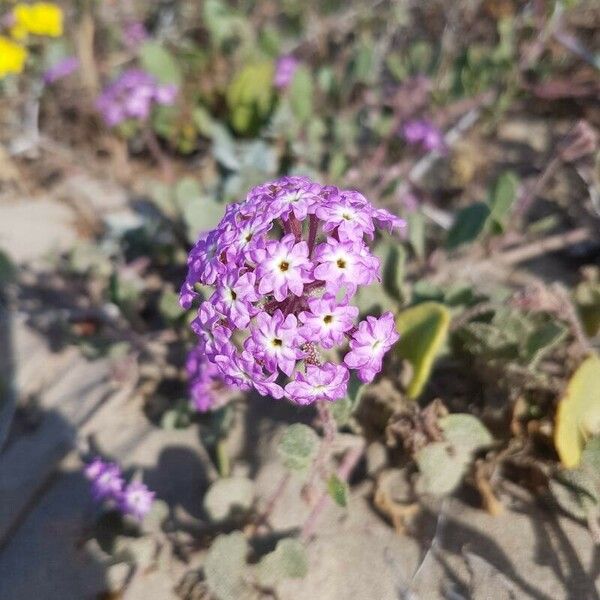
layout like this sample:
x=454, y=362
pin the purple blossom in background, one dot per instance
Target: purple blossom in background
x=425, y=134
x=205, y=382
x=285, y=264
x=136, y=500
x=132, y=96
x=107, y=481
x=63, y=68
x=134, y=34
x=285, y=69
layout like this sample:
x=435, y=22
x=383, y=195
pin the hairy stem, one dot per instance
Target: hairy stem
x=313, y=225
x=295, y=227
x=157, y=154
x=271, y=503
x=344, y=471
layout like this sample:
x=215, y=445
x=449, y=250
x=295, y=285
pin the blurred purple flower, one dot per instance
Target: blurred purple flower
x=205, y=383
x=136, y=500
x=410, y=202
x=424, y=133
x=63, y=68
x=108, y=484
x=132, y=96
x=106, y=478
x=285, y=70
x=134, y=34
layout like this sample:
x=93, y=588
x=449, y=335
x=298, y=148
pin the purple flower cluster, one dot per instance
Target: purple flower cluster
x=133, y=499
x=63, y=68
x=285, y=69
x=425, y=134
x=132, y=96
x=134, y=34
x=284, y=265
x=206, y=386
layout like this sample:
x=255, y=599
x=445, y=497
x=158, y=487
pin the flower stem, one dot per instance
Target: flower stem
x=295, y=227
x=223, y=462
x=344, y=471
x=313, y=225
x=157, y=154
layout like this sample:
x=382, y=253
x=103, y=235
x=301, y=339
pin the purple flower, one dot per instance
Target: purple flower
x=349, y=218
x=345, y=264
x=210, y=328
x=284, y=265
x=234, y=297
x=327, y=321
x=369, y=345
x=285, y=69
x=107, y=479
x=63, y=68
x=108, y=484
x=206, y=386
x=134, y=34
x=132, y=96
x=241, y=370
x=136, y=500
x=274, y=340
x=424, y=133
x=328, y=382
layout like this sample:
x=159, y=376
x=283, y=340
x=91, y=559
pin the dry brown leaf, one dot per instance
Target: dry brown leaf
x=400, y=513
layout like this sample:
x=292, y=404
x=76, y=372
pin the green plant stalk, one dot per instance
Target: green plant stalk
x=222, y=455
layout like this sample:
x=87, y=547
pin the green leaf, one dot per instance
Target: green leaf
x=465, y=432
x=393, y=259
x=288, y=561
x=250, y=96
x=469, y=223
x=160, y=62
x=139, y=550
x=416, y=232
x=342, y=409
x=423, y=331
x=542, y=340
x=424, y=290
x=8, y=271
x=587, y=298
x=488, y=341
x=503, y=197
x=298, y=446
x=443, y=464
x=169, y=306
x=228, y=497
x=338, y=490
x=590, y=457
x=578, y=414
x=301, y=92
x=440, y=469
x=225, y=566
x=200, y=212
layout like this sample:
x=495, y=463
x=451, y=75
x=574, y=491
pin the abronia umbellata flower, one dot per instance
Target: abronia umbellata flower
x=284, y=265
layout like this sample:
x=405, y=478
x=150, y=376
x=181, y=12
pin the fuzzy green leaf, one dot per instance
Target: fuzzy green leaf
x=298, y=446
x=469, y=223
x=288, y=561
x=228, y=497
x=338, y=490
x=160, y=62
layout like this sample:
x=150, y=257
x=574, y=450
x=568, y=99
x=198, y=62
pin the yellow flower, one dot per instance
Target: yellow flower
x=12, y=57
x=40, y=18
